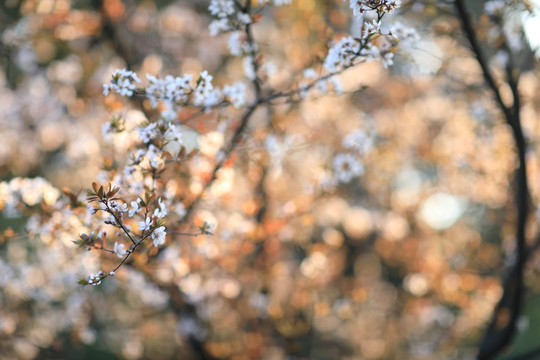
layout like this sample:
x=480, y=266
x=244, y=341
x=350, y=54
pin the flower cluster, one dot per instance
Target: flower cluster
x=173, y=93
x=359, y=7
x=95, y=279
x=236, y=94
x=221, y=8
x=170, y=91
x=359, y=142
x=123, y=82
x=205, y=94
x=350, y=50
x=342, y=54
x=347, y=165
x=228, y=17
x=403, y=33
x=161, y=138
x=119, y=249
x=238, y=44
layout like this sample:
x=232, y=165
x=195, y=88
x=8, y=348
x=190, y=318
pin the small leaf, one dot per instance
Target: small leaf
x=113, y=192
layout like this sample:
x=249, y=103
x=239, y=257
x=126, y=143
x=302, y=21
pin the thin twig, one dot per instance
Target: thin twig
x=232, y=145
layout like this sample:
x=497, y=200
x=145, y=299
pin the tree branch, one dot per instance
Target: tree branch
x=502, y=327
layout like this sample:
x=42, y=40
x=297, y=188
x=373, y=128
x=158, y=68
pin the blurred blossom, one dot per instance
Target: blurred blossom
x=416, y=284
x=359, y=142
x=342, y=242
x=531, y=27
x=441, y=210
x=26, y=59
x=494, y=7
x=313, y=265
x=347, y=167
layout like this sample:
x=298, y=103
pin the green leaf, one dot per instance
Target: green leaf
x=79, y=242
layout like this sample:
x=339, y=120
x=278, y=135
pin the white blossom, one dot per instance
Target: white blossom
x=160, y=212
x=147, y=133
x=106, y=129
x=129, y=170
x=171, y=90
x=111, y=220
x=359, y=7
x=387, y=59
x=336, y=83
x=205, y=93
x=219, y=26
x=115, y=205
x=310, y=73
x=154, y=156
x=221, y=8
x=236, y=94
x=244, y=18
x=207, y=228
x=92, y=210
x=235, y=43
x=119, y=250
x=174, y=139
x=158, y=236
x=123, y=82
x=342, y=54
x=269, y=68
x=358, y=141
x=322, y=86
x=249, y=68
x=139, y=155
x=134, y=208
x=402, y=32
x=347, y=167
x=146, y=224
x=180, y=210
x=95, y=279
x=370, y=28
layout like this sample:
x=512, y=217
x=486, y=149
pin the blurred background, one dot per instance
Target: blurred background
x=403, y=262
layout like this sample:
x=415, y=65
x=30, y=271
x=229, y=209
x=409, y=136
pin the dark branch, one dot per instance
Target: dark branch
x=468, y=29
x=503, y=324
